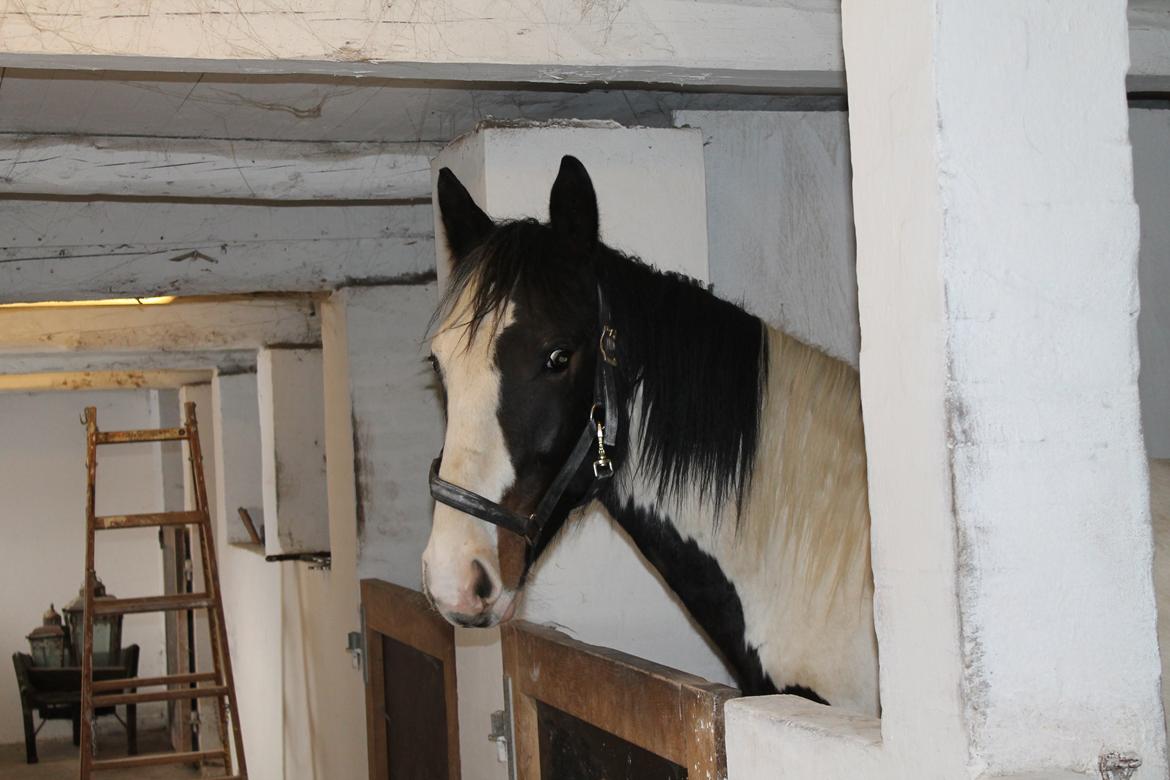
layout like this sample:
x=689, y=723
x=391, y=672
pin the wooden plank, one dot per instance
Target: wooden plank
x=789, y=43
x=174, y=694
x=135, y=437
x=107, y=522
x=670, y=713
x=226, y=361
x=99, y=380
x=152, y=604
x=156, y=759
x=166, y=106
x=214, y=168
x=220, y=651
x=71, y=250
x=148, y=682
x=525, y=730
x=185, y=325
x=406, y=616
x=377, y=749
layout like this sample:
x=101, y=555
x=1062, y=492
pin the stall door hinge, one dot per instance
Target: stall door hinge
x=501, y=732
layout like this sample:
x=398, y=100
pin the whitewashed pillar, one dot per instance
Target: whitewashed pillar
x=652, y=201
x=291, y=395
x=397, y=425
x=238, y=476
x=997, y=245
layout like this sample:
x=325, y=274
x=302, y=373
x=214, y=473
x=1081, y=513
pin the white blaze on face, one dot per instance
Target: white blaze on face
x=475, y=457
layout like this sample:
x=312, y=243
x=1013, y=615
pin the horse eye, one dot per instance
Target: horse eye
x=558, y=360
x=434, y=361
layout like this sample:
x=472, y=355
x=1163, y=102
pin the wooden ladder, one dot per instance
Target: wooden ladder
x=218, y=683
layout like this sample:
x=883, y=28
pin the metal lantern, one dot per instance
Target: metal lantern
x=47, y=641
x=107, y=629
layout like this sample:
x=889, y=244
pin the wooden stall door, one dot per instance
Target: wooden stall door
x=582, y=712
x=412, y=718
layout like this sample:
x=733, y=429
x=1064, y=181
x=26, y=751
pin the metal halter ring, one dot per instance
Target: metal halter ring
x=603, y=466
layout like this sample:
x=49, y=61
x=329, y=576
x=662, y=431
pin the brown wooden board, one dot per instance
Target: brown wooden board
x=411, y=707
x=662, y=711
x=415, y=713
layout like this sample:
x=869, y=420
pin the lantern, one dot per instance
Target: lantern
x=47, y=641
x=107, y=630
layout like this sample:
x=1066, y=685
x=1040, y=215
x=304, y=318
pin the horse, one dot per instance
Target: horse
x=731, y=453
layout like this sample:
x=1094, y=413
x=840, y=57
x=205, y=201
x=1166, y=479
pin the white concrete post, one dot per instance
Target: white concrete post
x=650, y=189
x=251, y=586
x=290, y=391
x=238, y=473
x=997, y=245
x=397, y=425
x=780, y=220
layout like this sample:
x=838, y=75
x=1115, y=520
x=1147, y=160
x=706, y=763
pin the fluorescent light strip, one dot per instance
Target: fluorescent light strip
x=160, y=299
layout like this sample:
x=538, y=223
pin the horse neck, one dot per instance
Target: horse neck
x=799, y=524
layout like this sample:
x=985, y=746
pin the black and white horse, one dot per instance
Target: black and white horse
x=740, y=461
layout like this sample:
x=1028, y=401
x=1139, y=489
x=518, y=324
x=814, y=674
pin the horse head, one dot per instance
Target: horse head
x=516, y=353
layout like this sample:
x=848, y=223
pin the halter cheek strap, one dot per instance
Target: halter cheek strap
x=590, y=451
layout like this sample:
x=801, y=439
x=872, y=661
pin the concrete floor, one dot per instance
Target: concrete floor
x=58, y=760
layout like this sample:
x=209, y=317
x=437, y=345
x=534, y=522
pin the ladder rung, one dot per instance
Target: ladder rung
x=108, y=522
x=123, y=683
x=155, y=759
x=175, y=694
x=130, y=437
x=152, y=604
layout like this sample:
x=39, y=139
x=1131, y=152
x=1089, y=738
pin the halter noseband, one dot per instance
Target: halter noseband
x=601, y=431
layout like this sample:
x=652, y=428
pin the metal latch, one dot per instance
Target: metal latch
x=355, y=645
x=501, y=732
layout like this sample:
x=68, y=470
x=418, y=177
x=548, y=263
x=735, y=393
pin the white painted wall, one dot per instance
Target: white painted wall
x=397, y=425
x=780, y=220
x=42, y=541
x=324, y=733
x=251, y=586
x=1149, y=131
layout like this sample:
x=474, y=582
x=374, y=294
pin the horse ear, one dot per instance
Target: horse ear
x=465, y=223
x=572, y=206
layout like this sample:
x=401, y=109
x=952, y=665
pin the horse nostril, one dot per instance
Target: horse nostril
x=484, y=587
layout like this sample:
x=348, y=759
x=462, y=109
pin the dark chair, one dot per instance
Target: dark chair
x=55, y=694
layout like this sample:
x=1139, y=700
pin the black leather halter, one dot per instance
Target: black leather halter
x=600, y=433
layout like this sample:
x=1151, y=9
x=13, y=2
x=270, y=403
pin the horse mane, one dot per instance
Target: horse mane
x=699, y=364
